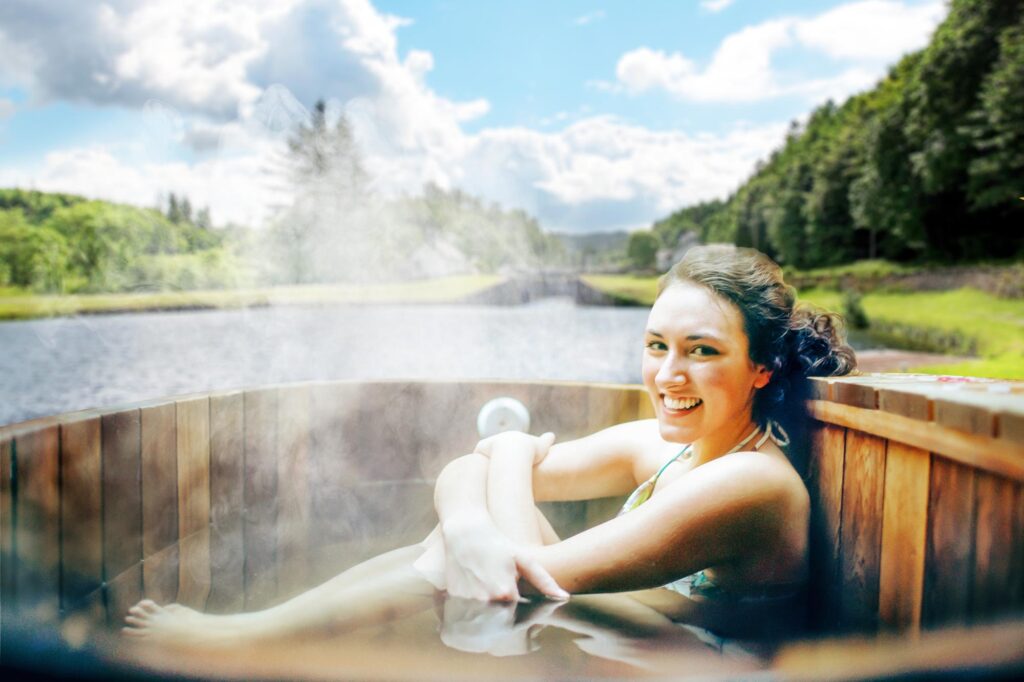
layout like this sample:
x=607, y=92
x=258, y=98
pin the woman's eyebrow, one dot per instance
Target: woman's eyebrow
x=692, y=337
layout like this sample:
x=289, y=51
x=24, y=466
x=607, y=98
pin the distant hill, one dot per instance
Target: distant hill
x=926, y=166
x=594, y=250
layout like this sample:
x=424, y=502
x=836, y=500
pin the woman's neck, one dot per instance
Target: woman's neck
x=723, y=441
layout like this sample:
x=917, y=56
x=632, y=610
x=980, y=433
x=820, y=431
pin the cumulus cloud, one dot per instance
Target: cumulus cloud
x=714, y=5
x=869, y=33
x=227, y=80
x=879, y=30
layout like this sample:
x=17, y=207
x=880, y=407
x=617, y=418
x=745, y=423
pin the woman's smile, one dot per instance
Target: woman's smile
x=697, y=368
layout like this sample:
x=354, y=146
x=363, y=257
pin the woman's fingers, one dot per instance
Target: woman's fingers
x=544, y=443
x=538, y=576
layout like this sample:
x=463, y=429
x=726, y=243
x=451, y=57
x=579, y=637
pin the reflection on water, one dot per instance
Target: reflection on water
x=63, y=364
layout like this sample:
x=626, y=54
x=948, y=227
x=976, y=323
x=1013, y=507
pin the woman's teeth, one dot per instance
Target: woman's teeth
x=681, y=403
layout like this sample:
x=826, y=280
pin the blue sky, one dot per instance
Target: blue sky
x=590, y=115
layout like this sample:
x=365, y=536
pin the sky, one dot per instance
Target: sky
x=590, y=115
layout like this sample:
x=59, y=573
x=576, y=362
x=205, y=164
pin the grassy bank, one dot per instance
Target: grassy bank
x=963, y=320
x=15, y=304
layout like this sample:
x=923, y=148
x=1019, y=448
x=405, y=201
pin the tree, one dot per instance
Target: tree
x=31, y=257
x=642, y=250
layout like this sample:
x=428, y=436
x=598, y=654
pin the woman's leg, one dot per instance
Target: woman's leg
x=380, y=589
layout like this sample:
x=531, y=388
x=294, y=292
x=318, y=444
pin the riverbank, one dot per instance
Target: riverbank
x=15, y=305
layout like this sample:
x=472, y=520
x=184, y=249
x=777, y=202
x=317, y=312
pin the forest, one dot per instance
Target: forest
x=333, y=229
x=927, y=167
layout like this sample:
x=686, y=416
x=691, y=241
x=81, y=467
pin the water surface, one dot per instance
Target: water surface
x=63, y=364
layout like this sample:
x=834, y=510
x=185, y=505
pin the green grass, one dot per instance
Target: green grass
x=640, y=290
x=16, y=304
x=994, y=327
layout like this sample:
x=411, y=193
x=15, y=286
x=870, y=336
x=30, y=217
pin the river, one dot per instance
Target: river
x=62, y=364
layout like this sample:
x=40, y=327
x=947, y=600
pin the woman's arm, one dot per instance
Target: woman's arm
x=723, y=513
x=480, y=561
x=609, y=462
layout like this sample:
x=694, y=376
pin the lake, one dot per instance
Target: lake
x=62, y=364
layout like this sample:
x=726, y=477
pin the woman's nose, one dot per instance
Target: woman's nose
x=673, y=371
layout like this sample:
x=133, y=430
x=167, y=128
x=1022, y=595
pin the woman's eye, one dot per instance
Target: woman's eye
x=703, y=351
x=656, y=345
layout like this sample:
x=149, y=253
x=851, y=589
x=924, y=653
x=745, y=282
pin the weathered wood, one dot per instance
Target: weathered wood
x=123, y=591
x=820, y=389
x=159, y=477
x=905, y=401
x=122, y=499
x=227, y=485
x=996, y=504
x=863, y=497
x=825, y=481
x=160, y=575
x=6, y=524
x=969, y=412
x=610, y=405
x=81, y=510
x=855, y=394
x=260, y=516
x=333, y=453
x=991, y=454
x=904, y=530
x=949, y=559
x=193, y=441
x=293, y=519
x=37, y=524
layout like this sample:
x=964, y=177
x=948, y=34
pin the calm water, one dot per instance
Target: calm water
x=64, y=364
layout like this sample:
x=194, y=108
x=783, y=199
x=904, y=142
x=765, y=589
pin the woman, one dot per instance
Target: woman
x=718, y=513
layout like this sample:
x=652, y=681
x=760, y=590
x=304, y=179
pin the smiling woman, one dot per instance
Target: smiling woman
x=725, y=525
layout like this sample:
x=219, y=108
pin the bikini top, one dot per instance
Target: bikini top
x=644, y=491
x=698, y=584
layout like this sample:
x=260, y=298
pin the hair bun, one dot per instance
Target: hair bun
x=819, y=345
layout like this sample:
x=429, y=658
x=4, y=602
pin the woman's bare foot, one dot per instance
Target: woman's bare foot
x=177, y=624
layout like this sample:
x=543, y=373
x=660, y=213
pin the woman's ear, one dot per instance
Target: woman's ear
x=764, y=375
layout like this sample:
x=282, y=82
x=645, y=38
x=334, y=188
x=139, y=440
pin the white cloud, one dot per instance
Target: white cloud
x=236, y=73
x=715, y=5
x=869, y=33
x=589, y=18
x=880, y=30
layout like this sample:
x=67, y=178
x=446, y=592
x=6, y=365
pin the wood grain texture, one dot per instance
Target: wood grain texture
x=260, y=515
x=998, y=456
x=996, y=503
x=293, y=469
x=904, y=531
x=37, y=529
x=863, y=499
x=193, y=441
x=81, y=510
x=855, y=394
x=159, y=477
x=972, y=413
x=227, y=486
x=122, y=592
x=825, y=482
x=6, y=524
x=949, y=560
x=122, y=498
x=333, y=454
x=915, y=404
x=159, y=501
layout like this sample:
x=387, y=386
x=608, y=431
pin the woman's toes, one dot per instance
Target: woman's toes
x=134, y=632
x=135, y=621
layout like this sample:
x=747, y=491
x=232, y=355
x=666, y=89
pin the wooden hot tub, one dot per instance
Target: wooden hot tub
x=234, y=500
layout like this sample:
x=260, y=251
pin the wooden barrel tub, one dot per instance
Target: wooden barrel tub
x=233, y=500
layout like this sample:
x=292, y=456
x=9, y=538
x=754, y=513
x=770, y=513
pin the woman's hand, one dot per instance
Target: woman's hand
x=506, y=629
x=481, y=563
x=517, y=442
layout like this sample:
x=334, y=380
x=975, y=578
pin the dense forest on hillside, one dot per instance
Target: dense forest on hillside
x=333, y=229
x=927, y=166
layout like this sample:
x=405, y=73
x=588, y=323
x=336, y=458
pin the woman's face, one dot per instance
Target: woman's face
x=697, y=367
